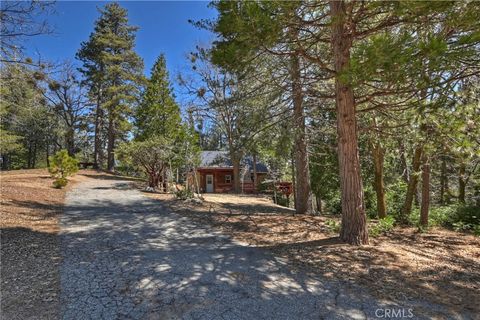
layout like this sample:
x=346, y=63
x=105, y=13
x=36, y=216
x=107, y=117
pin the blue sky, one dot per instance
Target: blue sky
x=163, y=27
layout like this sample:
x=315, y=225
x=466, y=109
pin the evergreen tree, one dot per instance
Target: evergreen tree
x=158, y=113
x=114, y=72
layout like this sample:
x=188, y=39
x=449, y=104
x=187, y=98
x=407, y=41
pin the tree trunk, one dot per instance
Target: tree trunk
x=412, y=185
x=236, y=174
x=294, y=181
x=254, y=172
x=47, y=151
x=111, y=144
x=70, y=142
x=461, y=182
x=97, y=142
x=403, y=161
x=354, y=224
x=318, y=201
x=29, y=156
x=378, y=154
x=303, y=195
x=34, y=157
x=425, y=191
x=5, y=162
x=444, y=198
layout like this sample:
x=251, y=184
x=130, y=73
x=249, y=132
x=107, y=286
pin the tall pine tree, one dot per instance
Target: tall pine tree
x=114, y=73
x=158, y=113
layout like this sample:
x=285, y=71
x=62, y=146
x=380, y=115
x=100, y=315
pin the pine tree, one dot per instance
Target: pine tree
x=158, y=113
x=114, y=73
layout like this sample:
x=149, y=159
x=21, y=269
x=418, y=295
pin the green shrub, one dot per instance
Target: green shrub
x=370, y=199
x=333, y=226
x=59, y=183
x=62, y=166
x=395, y=194
x=184, y=194
x=333, y=202
x=382, y=226
x=456, y=217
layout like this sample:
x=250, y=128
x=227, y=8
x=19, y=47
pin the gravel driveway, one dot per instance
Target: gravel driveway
x=126, y=256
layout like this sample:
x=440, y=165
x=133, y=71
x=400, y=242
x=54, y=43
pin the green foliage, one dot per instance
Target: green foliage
x=455, y=216
x=395, y=195
x=113, y=73
x=184, y=194
x=382, y=226
x=59, y=183
x=61, y=167
x=158, y=114
x=333, y=226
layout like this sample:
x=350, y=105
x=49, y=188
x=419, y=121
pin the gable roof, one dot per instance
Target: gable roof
x=221, y=159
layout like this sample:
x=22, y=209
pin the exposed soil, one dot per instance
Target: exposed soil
x=440, y=266
x=30, y=257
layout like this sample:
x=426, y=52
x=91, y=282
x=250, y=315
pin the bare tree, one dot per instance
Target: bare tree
x=18, y=22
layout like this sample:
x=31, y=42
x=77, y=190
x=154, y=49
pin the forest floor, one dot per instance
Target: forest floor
x=440, y=266
x=30, y=257
x=29, y=209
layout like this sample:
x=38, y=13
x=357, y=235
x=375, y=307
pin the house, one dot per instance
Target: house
x=215, y=173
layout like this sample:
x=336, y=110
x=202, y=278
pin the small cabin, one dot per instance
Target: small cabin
x=215, y=173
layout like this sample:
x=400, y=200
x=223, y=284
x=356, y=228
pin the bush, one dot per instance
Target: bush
x=184, y=194
x=59, y=183
x=383, y=226
x=395, y=194
x=333, y=202
x=455, y=216
x=62, y=166
x=333, y=226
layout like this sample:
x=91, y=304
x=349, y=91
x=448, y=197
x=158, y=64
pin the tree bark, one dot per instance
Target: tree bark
x=303, y=194
x=70, y=141
x=111, y=144
x=461, y=182
x=412, y=185
x=354, y=224
x=403, y=161
x=425, y=204
x=97, y=142
x=47, y=153
x=236, y=174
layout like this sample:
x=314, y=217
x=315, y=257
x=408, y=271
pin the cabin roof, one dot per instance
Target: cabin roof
x=221, y=159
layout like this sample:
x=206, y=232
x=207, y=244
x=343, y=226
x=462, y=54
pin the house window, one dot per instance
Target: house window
x=228, y=178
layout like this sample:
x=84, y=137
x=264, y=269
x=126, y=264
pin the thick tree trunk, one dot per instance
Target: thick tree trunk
x=354, y=224
x=461, y=182
x=303, y=194
x=412, y=185
x=111, y=144
x=378, y=154
x=236, y=175
x=425, y=204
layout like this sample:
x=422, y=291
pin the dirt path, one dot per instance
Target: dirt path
x=126, y=256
